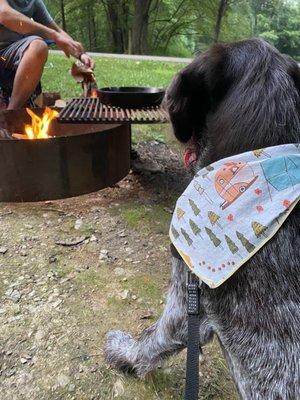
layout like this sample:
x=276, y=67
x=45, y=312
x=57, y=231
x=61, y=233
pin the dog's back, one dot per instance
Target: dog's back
x=233, y=99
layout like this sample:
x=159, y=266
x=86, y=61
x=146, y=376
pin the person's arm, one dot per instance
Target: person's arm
x=83, y=57
x=17, y=22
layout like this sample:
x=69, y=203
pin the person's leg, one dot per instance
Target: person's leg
x=28, y=73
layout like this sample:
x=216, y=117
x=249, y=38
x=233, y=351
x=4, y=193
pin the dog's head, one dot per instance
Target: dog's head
x=236, y=97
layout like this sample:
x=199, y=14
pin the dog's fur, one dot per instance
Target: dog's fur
x=234, y=98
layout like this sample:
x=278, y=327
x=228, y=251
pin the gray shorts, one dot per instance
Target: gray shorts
x=11, y=55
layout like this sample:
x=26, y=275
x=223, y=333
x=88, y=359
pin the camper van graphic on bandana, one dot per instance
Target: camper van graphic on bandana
x=232, y=180
x=234, y=207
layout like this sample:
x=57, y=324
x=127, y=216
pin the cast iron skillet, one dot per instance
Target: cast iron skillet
x=131, y=97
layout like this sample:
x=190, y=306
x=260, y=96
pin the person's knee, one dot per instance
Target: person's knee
x=39, y=49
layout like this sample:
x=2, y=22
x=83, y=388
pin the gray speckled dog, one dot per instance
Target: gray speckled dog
x=235, y=98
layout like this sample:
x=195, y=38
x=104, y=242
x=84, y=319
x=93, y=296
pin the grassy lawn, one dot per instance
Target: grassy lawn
x=109, y=72
x=113, y=72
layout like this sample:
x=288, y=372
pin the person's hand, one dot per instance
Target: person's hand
x=69, y=46
x=87, y=61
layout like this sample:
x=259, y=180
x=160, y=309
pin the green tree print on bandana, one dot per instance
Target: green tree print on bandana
x=194, y=207
x=232, y=246
x=195, y=228
x=216, y=241
x=187, y=237
x=245, y=242
x=175, y=233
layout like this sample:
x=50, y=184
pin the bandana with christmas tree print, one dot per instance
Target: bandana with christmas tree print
x=233, y=207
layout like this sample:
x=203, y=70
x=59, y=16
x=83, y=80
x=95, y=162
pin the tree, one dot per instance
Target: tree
x=180, y=213
x=260, y=152
x=63, y=17
x=175, y=233
x=259, y=229
x=216, y=241
x=187, y=237
x=194, y=207
x=140, y=26
x=195, y=228
x=214, y=218
x=171, y=23
x=231, y=245
x=245, y=242
x=221, y=12
x=277, y=21
x=177, y=27
x=117, y=12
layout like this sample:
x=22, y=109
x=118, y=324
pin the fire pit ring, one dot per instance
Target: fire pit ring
x=75, y=160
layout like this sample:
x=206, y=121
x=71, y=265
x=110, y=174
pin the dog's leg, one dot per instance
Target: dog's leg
x=166, y=337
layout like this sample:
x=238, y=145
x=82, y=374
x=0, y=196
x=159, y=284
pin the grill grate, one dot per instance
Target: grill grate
x=91, y=110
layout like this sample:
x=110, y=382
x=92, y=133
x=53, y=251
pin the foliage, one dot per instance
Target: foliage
x=177, y=27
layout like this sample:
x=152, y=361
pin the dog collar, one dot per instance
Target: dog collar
x=233, y=207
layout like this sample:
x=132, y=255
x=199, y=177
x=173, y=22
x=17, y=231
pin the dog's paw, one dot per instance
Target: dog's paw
x=118, y=351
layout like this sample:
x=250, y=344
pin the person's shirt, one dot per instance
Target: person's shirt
x=34, y=9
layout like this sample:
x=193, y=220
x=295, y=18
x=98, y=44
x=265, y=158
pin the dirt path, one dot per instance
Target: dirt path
x=72, y=270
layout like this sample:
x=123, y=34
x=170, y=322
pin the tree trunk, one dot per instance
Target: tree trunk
x=63, y=16
x=116, y=25
x=93, y=27
x=221, y=12
x=140, y=26
x=88, y=15
x=256, y=7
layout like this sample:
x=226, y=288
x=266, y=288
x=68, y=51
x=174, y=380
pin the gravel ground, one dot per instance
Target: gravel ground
x=73, y=269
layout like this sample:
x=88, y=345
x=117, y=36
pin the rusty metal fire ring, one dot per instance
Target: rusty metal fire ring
x=76, y=160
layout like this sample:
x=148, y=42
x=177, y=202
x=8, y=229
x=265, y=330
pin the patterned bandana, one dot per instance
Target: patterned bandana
x=233, y=207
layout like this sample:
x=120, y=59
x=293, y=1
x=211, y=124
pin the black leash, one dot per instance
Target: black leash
x=193, y=344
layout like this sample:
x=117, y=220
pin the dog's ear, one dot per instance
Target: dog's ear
x=188, y=100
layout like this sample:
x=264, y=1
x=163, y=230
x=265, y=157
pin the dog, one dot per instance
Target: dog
x=232, y=99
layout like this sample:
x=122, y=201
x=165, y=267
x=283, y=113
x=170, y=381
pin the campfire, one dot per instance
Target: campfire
x=94, y=93
x=39, y=125
x=77, y=159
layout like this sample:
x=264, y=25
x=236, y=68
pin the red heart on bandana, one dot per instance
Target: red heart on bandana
x=260, y=208
x=258, y=191
x=230, y=217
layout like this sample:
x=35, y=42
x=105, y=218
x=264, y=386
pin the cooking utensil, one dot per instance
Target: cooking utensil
x=131, y=97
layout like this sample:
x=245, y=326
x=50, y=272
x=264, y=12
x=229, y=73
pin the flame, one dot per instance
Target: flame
x=39, y=125
x=94, y=93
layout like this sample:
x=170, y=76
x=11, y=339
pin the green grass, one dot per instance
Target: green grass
x=109, y=72
x=147, y=219
x=113, y=72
